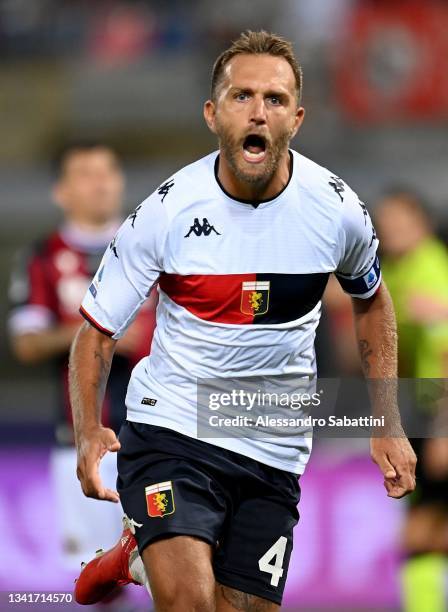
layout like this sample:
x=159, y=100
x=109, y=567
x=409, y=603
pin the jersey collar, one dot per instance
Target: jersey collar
x=254, y=203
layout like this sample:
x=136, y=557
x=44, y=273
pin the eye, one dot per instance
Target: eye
x=241, y=96
x=275, y=100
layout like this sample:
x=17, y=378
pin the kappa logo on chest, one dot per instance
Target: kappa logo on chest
x=201, y=229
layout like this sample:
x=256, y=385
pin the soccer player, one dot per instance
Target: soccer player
x=47, y=285
x=241, y=244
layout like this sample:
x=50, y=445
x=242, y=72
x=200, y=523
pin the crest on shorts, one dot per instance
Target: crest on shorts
x=255, y=297
x=160, y=499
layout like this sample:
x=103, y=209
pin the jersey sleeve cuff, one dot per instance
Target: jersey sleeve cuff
x=95, y=323
x=364, y=286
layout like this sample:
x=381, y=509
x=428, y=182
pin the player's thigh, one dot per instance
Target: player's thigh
x=180, y=574
x=229, y=600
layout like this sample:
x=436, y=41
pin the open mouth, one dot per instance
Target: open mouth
x=254, y=148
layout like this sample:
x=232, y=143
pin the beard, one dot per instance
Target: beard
x=262, y=173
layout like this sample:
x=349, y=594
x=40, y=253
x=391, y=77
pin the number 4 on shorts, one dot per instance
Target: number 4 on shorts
x=276, y=552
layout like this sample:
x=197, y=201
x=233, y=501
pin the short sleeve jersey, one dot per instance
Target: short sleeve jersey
x=240, y=286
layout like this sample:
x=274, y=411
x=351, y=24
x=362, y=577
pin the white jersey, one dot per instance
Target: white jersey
x=240, y=285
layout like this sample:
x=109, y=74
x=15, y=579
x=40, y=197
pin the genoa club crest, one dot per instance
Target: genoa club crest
x=255, y=297
x=160, y=499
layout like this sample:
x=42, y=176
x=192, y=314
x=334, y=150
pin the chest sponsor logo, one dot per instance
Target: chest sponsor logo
x=255, y=297
x=201, y=229
x=160, y=499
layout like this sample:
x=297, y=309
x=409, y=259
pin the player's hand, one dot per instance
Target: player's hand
x=91, y=447
x=396, y=460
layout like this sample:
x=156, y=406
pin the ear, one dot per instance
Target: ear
x=209, y=115
x=298, y=120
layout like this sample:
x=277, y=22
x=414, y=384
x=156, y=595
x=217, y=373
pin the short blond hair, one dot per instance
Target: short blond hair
x=257, y=43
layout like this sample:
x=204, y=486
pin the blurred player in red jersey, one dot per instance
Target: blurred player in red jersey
x=45, y=291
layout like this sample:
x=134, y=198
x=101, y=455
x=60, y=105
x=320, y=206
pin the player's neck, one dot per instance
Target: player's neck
x=242, y=190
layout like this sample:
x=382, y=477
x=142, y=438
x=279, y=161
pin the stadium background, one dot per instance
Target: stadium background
x=134, y=75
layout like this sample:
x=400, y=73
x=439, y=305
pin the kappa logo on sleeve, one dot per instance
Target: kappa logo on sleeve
x=160, y=499
x=133, y=216
x=113, y=247
x=164, y=189
x=338, y=185
x=364, y=211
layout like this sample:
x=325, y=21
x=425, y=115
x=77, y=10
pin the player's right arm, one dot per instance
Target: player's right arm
x=90, y=361
x=128, y=271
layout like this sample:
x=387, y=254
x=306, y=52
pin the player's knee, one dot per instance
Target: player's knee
x=184, y=594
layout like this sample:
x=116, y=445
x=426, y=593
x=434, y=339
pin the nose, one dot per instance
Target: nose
x=258, y=111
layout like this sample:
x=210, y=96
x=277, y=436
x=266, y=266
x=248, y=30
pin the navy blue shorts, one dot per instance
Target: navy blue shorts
x=175, y=485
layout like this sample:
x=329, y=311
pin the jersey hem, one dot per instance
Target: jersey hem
x=294, y=467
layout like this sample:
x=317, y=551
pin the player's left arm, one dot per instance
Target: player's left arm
x=359, y=274
x=377, y=340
